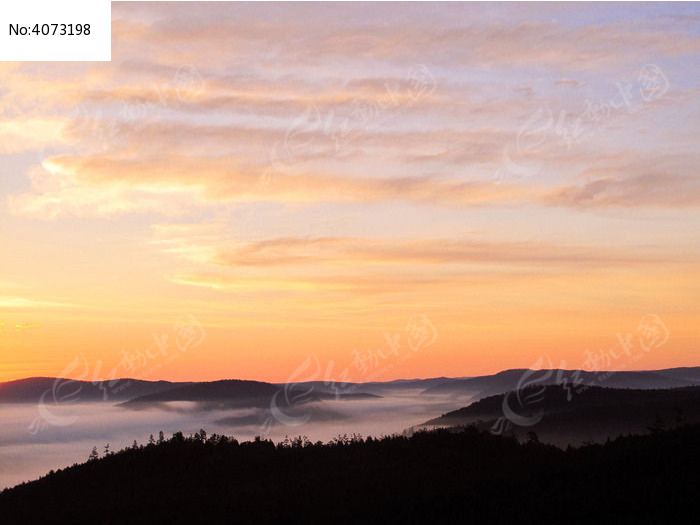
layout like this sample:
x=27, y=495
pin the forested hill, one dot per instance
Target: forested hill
x=465, y=476
x=564, y=416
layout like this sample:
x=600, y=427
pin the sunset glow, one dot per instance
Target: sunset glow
x=301, y=181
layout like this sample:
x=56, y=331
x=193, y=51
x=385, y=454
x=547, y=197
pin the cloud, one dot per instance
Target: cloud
x=139, y=136
x=652, y=189
x=365, y=265
x=98, y=186
x=27, y=326
x=211, y=245
x=12, y=302
x=18, y=135
x=366, y=251
x=453, y=34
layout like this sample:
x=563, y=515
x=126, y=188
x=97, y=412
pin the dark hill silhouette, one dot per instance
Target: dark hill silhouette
x=224, y=390
x=483, y=386
x=572, y=416
x=232, y=393
x=684, y=373
x=31, y=389
x=463, y=476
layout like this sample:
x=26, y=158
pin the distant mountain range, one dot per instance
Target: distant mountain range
x=135, y=393
x=483, y=386
x=31, y=389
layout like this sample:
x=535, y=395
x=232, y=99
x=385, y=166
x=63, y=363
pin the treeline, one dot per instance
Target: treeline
x=441, y=476
x=223, y=440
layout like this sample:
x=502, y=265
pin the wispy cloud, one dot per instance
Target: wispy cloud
x=12, y=302
x=85, y=186
x=668, y=190
x=364, y=251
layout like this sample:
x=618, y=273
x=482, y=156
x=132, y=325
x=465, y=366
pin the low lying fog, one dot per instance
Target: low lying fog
x=25, y=455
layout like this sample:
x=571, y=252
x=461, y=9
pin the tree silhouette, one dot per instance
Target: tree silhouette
x=458, y=475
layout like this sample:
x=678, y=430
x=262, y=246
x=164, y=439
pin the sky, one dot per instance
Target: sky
x=359, y=191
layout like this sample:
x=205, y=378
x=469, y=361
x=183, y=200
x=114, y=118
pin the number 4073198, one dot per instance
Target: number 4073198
x=50, y=29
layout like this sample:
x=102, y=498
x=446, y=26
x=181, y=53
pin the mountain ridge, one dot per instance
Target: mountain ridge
x=128, y=390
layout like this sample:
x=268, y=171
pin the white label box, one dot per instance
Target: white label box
x=59, y=30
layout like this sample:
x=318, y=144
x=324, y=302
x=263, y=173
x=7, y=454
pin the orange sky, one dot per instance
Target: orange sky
x=265, y=187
